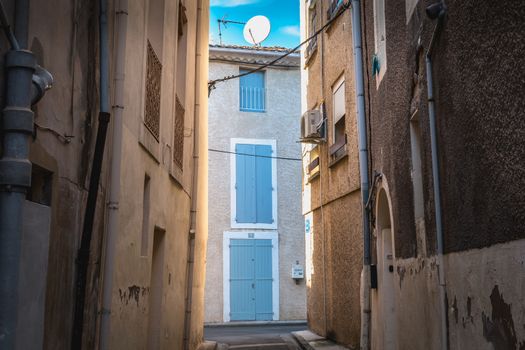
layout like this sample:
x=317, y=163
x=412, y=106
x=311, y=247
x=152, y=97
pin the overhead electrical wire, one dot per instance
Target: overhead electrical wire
x=212, y=83
x=253, y=155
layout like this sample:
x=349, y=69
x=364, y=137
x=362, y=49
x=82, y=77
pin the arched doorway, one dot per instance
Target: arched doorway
x=384, y=325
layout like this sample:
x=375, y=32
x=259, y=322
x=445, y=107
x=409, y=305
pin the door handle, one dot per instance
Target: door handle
x=253, y=285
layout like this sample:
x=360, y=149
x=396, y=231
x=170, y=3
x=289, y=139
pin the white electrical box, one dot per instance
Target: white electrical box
x=297, y=272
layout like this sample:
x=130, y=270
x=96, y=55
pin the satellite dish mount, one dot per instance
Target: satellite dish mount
x=257, y=30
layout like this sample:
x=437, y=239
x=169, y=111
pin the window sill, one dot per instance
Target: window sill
x=272, y=226
x=309, y=55
x=176, y=174
x=149, y=142
x=252, y=110
x=314, y=176
x=336, y=159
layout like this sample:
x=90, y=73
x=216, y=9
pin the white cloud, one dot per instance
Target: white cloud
x=291, y=30
x=231, y=3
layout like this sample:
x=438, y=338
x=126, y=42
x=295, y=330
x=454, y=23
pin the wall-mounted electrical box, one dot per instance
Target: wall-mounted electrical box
x=297, y=272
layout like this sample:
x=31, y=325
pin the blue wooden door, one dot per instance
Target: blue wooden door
x=263, y=280
x=251, y=280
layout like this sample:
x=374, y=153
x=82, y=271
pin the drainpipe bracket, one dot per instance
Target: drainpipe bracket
x=18, y=119
x=20, y=58
x=15, y=172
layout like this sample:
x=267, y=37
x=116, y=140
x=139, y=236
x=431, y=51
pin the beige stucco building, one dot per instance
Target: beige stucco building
x=256, y=113
x=331, y=184
x=145, y=285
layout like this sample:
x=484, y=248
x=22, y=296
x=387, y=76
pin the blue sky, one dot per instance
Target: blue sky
x=283, y=15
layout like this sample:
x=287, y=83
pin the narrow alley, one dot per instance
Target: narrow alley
x=262, y=174
x=250, y=336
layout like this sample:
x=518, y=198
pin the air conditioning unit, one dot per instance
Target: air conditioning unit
x=311, y=122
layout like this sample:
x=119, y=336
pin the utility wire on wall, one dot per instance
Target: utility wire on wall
x=212, y=83
x=254, y=155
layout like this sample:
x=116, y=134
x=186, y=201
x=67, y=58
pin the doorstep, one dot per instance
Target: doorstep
x=257, y=323
x=311, y=341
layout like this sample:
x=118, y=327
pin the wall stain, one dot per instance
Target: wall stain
x=455, y=309
x=499, y=328
x=401, y=272
x=133, y=292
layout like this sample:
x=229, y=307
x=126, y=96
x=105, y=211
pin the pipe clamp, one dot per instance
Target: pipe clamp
x=18, y=119
x=20, y=58
x=15, y=172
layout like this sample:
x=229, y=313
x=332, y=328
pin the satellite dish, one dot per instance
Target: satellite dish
x=256, y=30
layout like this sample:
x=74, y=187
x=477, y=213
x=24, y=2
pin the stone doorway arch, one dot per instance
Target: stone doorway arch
x=384, y=321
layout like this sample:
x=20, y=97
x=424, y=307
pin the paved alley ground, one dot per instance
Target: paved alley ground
x=253, y=337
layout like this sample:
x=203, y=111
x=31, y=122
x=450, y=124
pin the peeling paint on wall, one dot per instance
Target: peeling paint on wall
x=499, y=329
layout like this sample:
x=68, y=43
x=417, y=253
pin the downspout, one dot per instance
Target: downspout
x=96, y=169
x=436, y=180
x=15, y=170
x=26, y=83
x=116, y=157
x=193, y=210
x=363, y=169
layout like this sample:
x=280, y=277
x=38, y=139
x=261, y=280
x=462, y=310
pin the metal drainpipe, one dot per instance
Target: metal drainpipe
x=15, y=171
x=96, y=169
x=363, y=169
x=193, y=210
x=436, y=181
x=114, y=195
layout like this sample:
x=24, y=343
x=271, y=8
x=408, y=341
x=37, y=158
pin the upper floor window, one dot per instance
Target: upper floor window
x=380, y=40
x=154, y=47
x=252, y=92
x=254, y=196
x=311, y=29
x=333, y=8
x=181, y=81
x=338, y=148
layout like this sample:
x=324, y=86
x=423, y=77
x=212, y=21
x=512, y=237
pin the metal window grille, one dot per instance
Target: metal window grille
x=153, y=79
x=178, y=138
x=253, y=99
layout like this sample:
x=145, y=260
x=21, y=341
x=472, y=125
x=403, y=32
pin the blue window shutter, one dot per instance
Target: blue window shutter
x=264, y=189
x=251, y=91
x=245, y=186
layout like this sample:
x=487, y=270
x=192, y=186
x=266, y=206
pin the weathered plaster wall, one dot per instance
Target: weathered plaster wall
x=480, y=127
x=170, y=194
x=486, y=308
x=62, y=35
x=484, y=297
x=333, y=296
x=280, y=123
x=337, y=232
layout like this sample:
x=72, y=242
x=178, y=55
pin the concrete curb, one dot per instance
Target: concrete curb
x=311, y=341
x=207, y=345
x=302, y=342
x=256, y=324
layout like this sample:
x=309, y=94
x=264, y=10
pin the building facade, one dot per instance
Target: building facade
x=479, y=124
x=331, y=185
x=445, y=127
x=255, y=223
x=145, y=282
